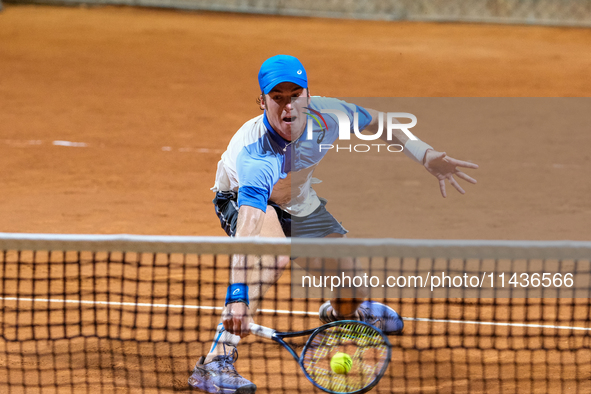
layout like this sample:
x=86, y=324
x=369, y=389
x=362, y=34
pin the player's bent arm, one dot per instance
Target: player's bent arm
x=437, y=163
x=373, y=127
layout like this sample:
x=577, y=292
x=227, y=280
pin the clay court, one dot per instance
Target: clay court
x=113, y=119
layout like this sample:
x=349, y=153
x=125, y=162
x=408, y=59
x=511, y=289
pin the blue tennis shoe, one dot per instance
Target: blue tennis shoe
x=220, y=376
x=371, y=312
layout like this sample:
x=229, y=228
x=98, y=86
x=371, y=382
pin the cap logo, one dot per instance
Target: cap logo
x=299, y=72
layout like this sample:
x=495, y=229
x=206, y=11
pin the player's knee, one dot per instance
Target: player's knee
x=278, y=267
x=280, y=264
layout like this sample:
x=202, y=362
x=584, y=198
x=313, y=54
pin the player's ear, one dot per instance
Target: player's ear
x=261, y=101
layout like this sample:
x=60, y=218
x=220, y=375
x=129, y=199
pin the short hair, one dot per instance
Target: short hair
x=260, y=101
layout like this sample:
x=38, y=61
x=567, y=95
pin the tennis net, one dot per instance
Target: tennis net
x=133, y=314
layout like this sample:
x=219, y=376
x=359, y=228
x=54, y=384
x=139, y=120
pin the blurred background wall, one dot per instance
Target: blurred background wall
x=545, y=12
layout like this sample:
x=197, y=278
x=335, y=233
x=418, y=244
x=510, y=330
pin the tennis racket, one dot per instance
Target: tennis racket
x=368, y=347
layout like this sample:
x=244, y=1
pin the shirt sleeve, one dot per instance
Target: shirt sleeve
x=257, y=174
x=364, y=116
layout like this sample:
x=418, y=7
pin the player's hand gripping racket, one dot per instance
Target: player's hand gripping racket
x=368, y=347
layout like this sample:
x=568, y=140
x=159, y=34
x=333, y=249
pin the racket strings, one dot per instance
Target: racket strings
x=363, y=344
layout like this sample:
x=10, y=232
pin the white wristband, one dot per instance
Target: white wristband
x=416, y=149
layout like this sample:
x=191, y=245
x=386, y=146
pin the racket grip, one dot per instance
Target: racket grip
x=261, y=331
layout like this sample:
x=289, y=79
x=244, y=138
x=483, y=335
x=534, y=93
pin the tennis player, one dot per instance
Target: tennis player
x=263, y=188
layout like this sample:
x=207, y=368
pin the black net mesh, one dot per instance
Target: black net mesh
x=128, y=322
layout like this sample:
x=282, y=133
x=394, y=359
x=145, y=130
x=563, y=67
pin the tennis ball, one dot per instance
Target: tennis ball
x=341, y=363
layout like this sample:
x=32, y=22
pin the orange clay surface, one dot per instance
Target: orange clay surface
x=130, y=82
x=154, y=96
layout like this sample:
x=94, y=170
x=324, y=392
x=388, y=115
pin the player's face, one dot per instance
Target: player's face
x=286, y=118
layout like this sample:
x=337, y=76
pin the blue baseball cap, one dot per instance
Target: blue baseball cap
x=281, y=68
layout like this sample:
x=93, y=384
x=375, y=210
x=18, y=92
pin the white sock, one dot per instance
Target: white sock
x=223, y=337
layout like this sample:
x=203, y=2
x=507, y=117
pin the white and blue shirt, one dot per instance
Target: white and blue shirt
x=260, y=165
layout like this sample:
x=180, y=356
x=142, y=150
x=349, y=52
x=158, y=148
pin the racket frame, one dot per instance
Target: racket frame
x=278, y=337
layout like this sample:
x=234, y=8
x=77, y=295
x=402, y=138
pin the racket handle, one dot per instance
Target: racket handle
x=262, y=331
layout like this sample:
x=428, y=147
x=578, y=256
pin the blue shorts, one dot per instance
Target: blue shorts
x=318, y=224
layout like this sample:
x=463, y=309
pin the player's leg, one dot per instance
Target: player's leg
x=372, y=312
x=349, y=303
x=347, y=299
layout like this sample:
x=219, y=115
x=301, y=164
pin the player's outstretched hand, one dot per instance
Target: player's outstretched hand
x=236, y=318
x=443, y=167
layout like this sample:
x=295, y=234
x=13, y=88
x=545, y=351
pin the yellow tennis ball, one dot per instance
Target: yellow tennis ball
x=341, y=363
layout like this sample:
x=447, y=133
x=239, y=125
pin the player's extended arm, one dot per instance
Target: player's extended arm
x=236, y=316
x=444, y=167
x=373, y=126
x=437, y=163
x=250, y=224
